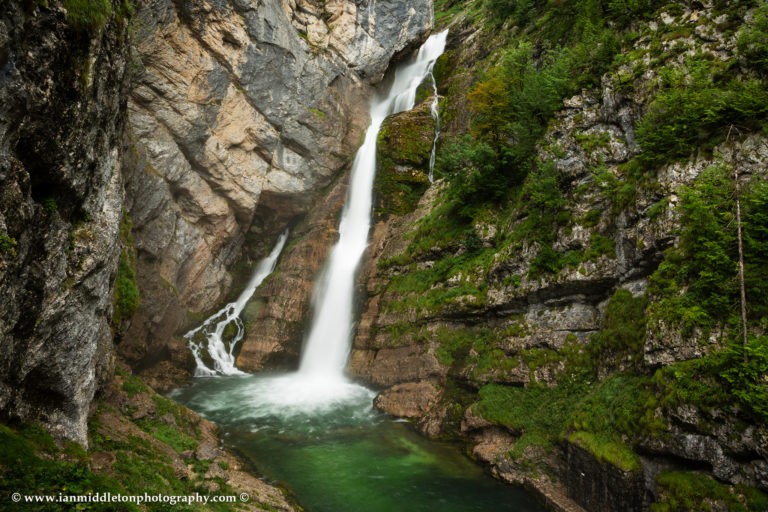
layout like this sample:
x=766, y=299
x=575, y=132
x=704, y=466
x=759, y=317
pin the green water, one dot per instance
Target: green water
x=338, y=455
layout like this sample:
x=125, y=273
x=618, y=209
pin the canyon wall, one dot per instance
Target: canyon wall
x=515, y=316
x=63, y=80
x=240, y=116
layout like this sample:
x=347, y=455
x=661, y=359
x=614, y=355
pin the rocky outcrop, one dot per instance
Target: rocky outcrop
x=63, y=84
x=600, y=486
x=240, y=116
x=274, y=334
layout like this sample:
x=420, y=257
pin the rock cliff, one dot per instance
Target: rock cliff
x=64, y=87
x=536, y=286
x=240, y=116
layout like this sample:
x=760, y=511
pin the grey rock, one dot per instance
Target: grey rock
x=61, y=123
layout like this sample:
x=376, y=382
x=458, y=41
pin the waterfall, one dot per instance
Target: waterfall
x=436, y=116
x=320, y=385
x=328, y=343
x=212, y=336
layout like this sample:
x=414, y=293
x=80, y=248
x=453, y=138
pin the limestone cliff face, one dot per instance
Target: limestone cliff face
x=241, y=114
x=63, y=86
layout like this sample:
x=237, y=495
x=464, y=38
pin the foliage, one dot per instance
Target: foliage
x=745, y=370
x=721, y=380
x=623, y=332
x=7, y=245
x=50, y=205
x=607, y=449
x=753, y=40
x=88, y=15
x=696, y=284
x=125, y=298
x=691, y=491
x=695, y=107
x=133, y=385
x=31, y=463
x=540, y=411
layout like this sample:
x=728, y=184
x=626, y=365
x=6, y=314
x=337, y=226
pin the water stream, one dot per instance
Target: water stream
x=315, y=430
x=210, y=339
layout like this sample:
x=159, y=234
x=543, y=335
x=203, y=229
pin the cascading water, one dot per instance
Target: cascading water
x=315, y=430
x=328, y=343
x=320, y=385
x=436, y=117
x=210, y=336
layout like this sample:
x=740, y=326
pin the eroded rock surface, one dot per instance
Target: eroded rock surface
x=61, y=195
x=240, y=116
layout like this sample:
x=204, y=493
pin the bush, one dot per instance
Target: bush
x=88, y=15
x=125, y=296
x=623, y=333
x=753, y=41
x=696, y=284
x=695, y=108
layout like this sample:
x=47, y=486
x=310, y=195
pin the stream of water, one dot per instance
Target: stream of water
x=314, y=430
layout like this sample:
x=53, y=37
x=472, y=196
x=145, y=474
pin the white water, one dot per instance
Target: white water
x=328, y=343
x=221, y=351
x=320, y=385
x=436, y=117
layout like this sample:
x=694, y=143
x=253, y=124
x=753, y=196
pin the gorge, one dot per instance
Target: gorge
x=553, y=284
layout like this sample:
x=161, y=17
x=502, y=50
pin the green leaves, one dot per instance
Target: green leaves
x=695, y=108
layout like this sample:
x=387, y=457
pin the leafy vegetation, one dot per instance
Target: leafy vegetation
x=695, y=287
x=88, y=15
x=698, y=492
x=125, y=298
x=7, y=245
x=695, y=107
x=619, y=344
x=31, y=463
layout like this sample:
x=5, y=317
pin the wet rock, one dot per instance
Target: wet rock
x=408, y=400
x=239, y=118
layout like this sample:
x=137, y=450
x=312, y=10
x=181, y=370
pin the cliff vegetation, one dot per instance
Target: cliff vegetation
x=570, y=284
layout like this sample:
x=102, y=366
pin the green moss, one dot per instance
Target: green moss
x=318, y=113
x=125, y=297
x=50, y=205
x=32, y=464
x=537, y=411
x=7, y=245
x=133, y=385
x=88, y=15
x=404, y=148
x=688, y=491
x=607, y=450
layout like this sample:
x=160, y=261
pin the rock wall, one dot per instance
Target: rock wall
x=494, y=321
x=64, y=88
x=241, y=115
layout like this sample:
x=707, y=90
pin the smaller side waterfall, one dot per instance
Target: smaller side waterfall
x=436, y=117
x=222, y=331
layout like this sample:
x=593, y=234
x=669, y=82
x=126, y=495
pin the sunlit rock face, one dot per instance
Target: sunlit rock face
x=240, y=115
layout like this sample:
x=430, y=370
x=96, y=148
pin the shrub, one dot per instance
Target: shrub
x=125, y=297
x=88, y=15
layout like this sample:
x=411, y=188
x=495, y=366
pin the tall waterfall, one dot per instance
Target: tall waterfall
x=320, y=385
x=328, y=343
x=211, y=337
